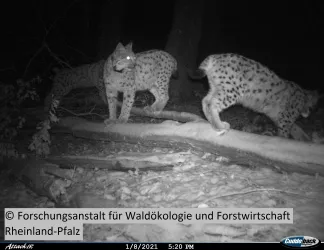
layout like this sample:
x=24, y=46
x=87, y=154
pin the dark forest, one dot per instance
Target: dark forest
x=285, y=36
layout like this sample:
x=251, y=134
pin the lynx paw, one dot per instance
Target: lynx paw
x=227, y=126
x=200, y=121
x=224, y=130
x=268, y=133
x=122, y=120
x=109, y=122
x=221, y=132
x=149, y=109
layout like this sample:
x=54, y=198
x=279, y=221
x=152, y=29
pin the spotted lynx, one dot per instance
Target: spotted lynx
x=234, y=79
x=127, y=72
x=65, y=80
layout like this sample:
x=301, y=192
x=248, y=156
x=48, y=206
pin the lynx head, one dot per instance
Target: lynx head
x=123, y=57
x=311, y=99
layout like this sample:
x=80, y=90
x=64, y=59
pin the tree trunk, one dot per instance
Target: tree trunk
x=183, y=43
x=112, y=15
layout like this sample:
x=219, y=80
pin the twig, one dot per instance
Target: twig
x=7, y=69
x=56, y=20
x=57, y=58
x=32, y=58
x=44, y=44
x=253, y=191
x=83, y=114
x=79, y=51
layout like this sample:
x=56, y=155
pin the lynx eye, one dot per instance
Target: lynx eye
x=128, y=58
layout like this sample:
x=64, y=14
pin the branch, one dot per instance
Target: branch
x=83, y=114
x=8, y=68
x=67, y=65
x=32, y=59
x=44, y=44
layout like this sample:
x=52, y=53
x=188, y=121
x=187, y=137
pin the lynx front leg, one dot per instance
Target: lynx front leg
x=101, y=87
x=284, y=130
x=285, y=122
x=297, y=133
x=112, y=101
x=161, y=99
x=128, y=100
x=211, y=110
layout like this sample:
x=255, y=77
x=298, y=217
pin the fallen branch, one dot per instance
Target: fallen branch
x=124, y=163
x=285, y=154
x=165, y=114
x=43, y=178
x=48, y=180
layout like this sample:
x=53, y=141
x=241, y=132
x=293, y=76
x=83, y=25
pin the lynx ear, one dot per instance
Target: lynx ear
x=320, y=96
x=120, y=46
x=56, y=70
x=316, y=94
x=129, y=46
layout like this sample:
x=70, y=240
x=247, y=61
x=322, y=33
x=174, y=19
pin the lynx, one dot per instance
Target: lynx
x=65, y=80
x=127, y=72
x=234, y=79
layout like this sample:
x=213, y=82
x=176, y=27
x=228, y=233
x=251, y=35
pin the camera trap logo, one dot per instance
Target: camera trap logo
x=300, y=242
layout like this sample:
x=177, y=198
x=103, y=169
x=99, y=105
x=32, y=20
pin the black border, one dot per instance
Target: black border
x=146, y=246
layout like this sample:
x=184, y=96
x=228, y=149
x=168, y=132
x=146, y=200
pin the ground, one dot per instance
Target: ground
x=195, y=180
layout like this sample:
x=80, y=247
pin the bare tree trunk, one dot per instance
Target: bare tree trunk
x=183, y=43
x=112, y=15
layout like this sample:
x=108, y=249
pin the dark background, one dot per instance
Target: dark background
x=286, y=36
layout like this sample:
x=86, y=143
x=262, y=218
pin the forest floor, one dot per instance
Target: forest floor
x=198, y=180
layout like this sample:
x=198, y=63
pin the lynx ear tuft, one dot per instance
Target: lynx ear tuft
x=120, y=46
x=129, y=46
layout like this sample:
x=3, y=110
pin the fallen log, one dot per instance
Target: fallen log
x=48, y=177
x=123, y=162
x=49, y=180
x=42, y=177
x=284, y=154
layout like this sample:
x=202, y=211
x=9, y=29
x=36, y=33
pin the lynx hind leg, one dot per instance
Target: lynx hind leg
x=48, y=103
x=55, y=94
x=103, y=96
x=161, y=99
x=128, y=100
x=112, y=106
x=212, y=107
